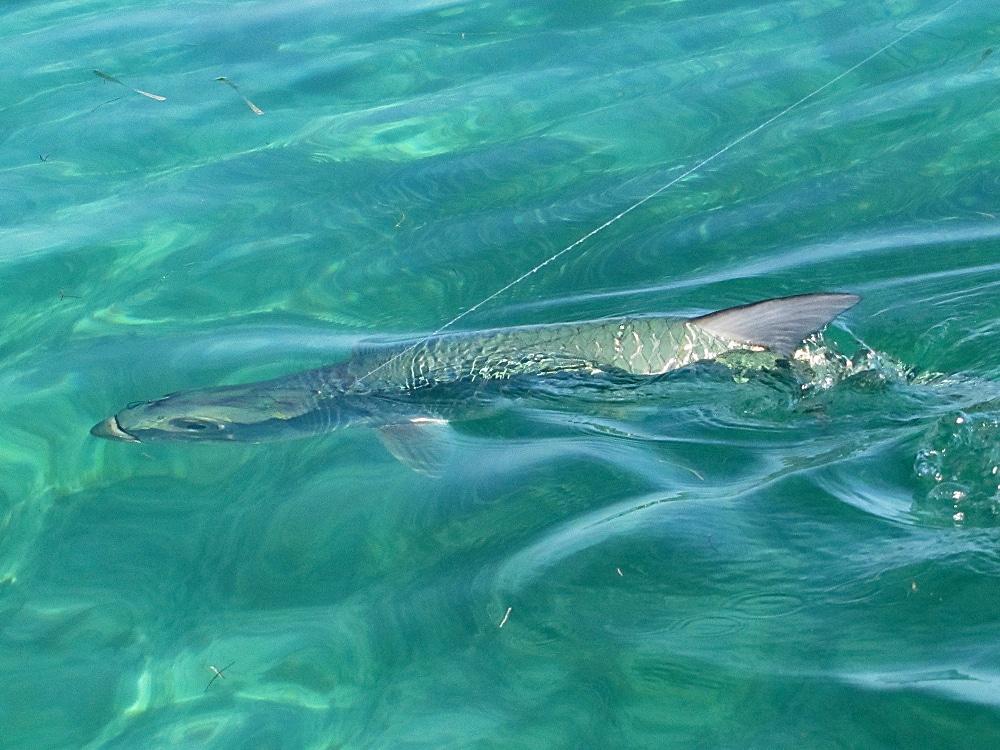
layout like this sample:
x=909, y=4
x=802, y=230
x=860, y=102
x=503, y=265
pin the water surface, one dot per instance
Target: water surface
x=712, y=560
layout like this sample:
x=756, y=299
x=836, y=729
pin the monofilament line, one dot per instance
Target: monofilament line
x=662, y=188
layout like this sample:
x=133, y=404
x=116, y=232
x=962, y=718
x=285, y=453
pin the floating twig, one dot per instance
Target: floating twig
x=217, y=674
x=982, y=59
x=109, y=101
x=461, y=34
x=106, y=77
x=256, y=110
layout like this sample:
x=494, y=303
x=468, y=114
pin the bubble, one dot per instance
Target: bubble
x=957, y=466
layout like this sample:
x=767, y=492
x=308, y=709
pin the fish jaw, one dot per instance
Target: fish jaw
x=221, y=414
x=109, y=429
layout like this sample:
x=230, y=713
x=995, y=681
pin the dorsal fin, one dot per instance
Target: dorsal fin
x=778, y=324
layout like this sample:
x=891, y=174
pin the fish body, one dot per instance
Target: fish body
x=388, y=386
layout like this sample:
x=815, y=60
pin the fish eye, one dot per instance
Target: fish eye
x=194, y=425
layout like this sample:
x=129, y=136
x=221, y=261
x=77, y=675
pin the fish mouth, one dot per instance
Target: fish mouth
x=111, y=430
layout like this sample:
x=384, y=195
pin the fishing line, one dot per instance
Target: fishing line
x=660, y=189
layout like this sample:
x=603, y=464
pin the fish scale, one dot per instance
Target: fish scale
x=638, y=346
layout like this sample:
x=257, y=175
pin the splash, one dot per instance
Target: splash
x=958, y=466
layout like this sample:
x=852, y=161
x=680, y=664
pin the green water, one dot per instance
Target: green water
x=700, y=563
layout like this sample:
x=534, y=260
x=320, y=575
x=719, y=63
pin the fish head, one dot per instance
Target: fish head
x=228, y=413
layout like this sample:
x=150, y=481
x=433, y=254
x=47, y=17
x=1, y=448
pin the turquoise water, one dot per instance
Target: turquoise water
x=708, y=561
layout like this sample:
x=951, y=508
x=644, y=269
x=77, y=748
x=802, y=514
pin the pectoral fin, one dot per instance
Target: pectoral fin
x=421, y=444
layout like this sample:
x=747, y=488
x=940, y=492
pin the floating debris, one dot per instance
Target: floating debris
x=256, y=110
x=981, y=60
x=106, y=77
x=217, y=674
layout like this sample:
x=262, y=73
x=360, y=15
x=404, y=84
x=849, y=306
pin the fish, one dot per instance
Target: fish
x=397, y=388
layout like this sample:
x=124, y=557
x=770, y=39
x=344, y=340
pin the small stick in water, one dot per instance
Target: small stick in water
x=217, y=674
x=106, y=77
x=982, y=59
x=254, y=107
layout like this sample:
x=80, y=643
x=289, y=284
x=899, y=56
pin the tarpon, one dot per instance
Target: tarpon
x=393, y=387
